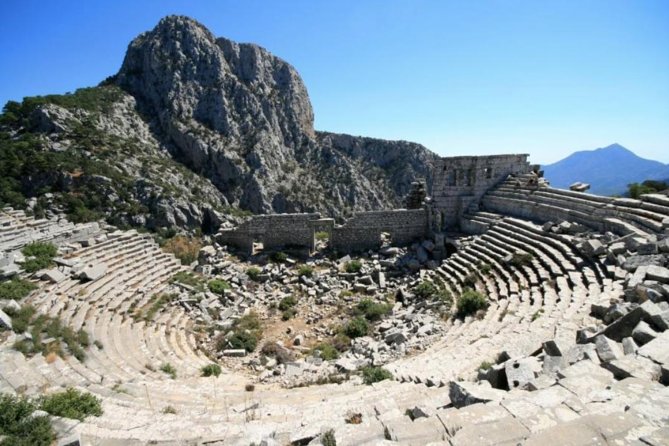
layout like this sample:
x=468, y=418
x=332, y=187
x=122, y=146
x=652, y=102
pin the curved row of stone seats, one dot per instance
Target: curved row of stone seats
x=137, y=270
x=17, y=230
x=623, y=216
x=529, y=303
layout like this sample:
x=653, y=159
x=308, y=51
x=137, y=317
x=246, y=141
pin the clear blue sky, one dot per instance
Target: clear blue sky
x=465, y=77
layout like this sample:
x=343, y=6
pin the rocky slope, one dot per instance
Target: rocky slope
x=192, y=131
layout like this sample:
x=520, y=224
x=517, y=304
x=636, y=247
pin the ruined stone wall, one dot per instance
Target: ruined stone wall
x=363, y=230
x=462, y=180
x=272, y=231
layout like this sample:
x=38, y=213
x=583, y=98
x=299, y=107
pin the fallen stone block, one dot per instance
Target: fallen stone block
x=636, y=366
x=643, y=333
x=519, y=372
x=53, y=276
x=624, y=326
x=93, y=272
x=234, y=352
x=463, y=393
x=629, y=346
x=608, y=349
x=592, y=248
x=395, y=336
x=5, y=320
x=553, y=364
x=657, y=349
x=658, y=273
x=661, y=320
x=508, y=430
x=580, y=352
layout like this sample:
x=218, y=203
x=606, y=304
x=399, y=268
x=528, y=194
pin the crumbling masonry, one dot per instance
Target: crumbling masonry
x=459, y=184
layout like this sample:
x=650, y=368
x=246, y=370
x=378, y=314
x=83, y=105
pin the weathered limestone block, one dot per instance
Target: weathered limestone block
x=93, y=272
x=463, y=393
x=5, y=320
x=607, y=349
x=636, y=366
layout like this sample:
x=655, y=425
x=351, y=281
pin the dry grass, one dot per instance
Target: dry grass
x=184, y=248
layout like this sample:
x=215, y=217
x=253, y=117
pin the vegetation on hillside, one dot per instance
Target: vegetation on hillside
x=635, y=190
x=16, y=288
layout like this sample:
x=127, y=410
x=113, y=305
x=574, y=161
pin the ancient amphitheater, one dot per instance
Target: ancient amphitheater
x=574, y=333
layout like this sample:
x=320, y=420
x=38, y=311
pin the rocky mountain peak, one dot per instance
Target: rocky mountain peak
x=181, y=72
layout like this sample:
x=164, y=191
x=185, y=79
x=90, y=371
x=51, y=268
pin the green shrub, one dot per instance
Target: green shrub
x=218, y=286
x=371, y=375
x=288, y=314
x=169, y=410
x=243, y=340
x=211, y=370
x=72, y=404
x=354, y=266
x=328, y=438
x=253, y=273
x=322, y=235
x=485, y=365
x=373, y=311
x=520, y=259
x=341, y=342
x=169, y=369
x=287, y=303
x=326, y=351
x=19, y=427
x=278, y=257
x=470, y=280
x=276, y=351
x=21, y=318
x=425, y=290
x=356, y=327
x=16, y=288
x=39, y=255
x=187, y=278
x=485, y=268
x=246, y=332
x=305, y=270
x=470, y=302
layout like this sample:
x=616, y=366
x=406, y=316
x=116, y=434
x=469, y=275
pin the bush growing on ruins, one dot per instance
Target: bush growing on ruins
x=485, y=268
x=278, y=257
x=21, y=318
x=253, y=273
x=278, y=352
x=373, y=311
x=354, y=266
x=16, y=288
x=192, y=280
x=287, y=306
x=341, y=342
x=326, y=351
x=371, y=375
x=211, y=370
x=246, y=332
x=305, y=270
x=470, y=302
x=19, y=427
x=485, y=365
x=425, y=290
x=322, y=235
x=328, y=438
x=356, y=327
x=39, y=255
x=71, y=404
x=635, y=190
x=184, y=248
x=169, y=410
x=520, y=259
x=470, y=281
x=169, y=369
x=218, y=286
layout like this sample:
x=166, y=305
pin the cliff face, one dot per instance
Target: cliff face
x=242, y=117
x=194, y=128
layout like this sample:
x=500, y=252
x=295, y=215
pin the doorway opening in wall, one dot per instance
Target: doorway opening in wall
x=257, y=247
x=385, y=239
x=322, y=240
x=450, y=249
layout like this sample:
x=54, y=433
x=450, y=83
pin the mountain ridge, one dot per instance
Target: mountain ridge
x=191, y=131
x=608, y=169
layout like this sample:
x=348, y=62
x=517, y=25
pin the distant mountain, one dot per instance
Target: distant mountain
x=608, y=170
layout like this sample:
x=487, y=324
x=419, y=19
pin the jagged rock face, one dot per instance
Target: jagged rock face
x=242, y=117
